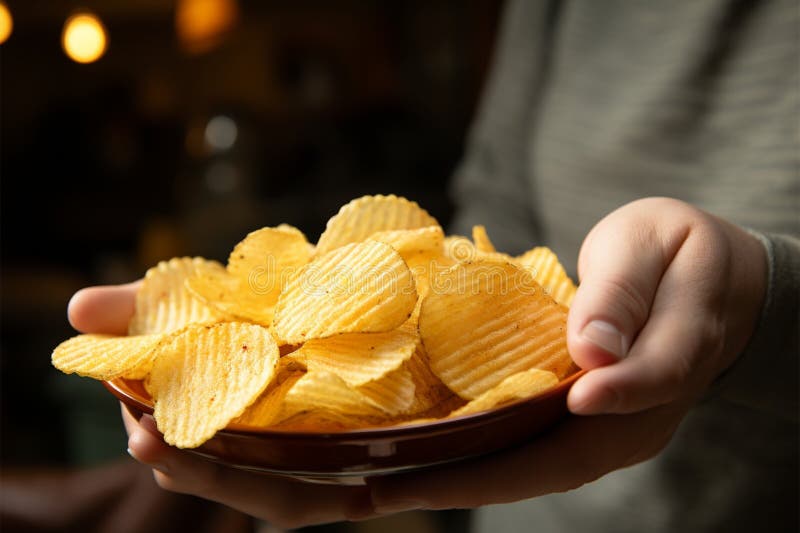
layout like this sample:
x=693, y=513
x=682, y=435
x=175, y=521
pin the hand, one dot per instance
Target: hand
x=282, y=502
x=672, y=295
x=669, y=297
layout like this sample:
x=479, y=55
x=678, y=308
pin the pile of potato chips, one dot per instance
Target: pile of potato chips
x=385, y=321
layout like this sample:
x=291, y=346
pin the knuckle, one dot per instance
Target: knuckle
x=676, y=377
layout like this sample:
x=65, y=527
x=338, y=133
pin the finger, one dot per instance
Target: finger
x=103, y=309
x=621, y=263
x=282, y=502
x=579, y=450
x=127, y=419
x=661, y=367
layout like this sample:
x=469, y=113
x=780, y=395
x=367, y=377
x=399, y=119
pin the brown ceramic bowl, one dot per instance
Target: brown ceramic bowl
x=348, y=457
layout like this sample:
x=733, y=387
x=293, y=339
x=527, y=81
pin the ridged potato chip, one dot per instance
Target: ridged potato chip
x=106, y=356
x=358, y=358
x=422, y=249
x=326, y=422
x=230, y=296
x=481, y=239
x=525, y=384
x=439, y=411
x=364, y=216
x=164, y=304
x=489, y=321
x=429, y=391
x=206, y=376
x=268, y=409
x=266, y=258
x=392, y=393
x=258, y=267
x=325, y=392
x=459, y=249
x=410, y=243
x=360, y=287
x=543, y=264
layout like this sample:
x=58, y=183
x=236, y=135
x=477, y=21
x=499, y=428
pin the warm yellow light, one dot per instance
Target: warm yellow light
x=6, y=23
x=201, y=24
x=84, y=38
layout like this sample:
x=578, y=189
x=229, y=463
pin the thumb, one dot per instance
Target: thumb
x=105, y=309
x=621, y=265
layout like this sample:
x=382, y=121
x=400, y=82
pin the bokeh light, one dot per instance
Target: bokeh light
x=6, y=23
x=221, y=133
x=201, y=24
x=84, y=38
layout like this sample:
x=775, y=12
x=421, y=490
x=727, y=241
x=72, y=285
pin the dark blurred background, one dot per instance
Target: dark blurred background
x=201, y=121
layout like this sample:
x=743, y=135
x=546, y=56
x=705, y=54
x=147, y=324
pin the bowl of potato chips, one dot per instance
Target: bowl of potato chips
x=384, y=347
x=319, y=455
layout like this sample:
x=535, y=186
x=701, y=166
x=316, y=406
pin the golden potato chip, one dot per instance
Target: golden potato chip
x=164, y=304
x=543, y=264
x=325, y=392
x=266, y=258
x=525, y=384
x=481, y=239
x=358, y=358
x=424, y=268
x=449, y=403
x=326, y=422
x=206, y=376
x=458, y=249
x=258, y=267
x=392, y=393
x=106, y=357
x=440, y=410
x=422, y=249
x=429, y=391
x=268, y=409
x=230, y=296
x=364, y=216
x=488, y=320
x=410, y=243
x=360, y=287
x=146, y=383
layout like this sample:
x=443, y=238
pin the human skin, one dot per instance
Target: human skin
x=669, y=297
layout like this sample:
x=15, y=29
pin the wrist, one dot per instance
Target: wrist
x=748, y=286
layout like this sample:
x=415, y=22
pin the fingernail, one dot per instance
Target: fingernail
x=606, y=336
x=399, y=506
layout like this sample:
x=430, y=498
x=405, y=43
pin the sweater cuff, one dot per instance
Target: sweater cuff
x=765, y=376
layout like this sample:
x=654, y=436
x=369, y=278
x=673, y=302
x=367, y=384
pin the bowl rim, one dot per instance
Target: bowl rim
x=120, y=388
